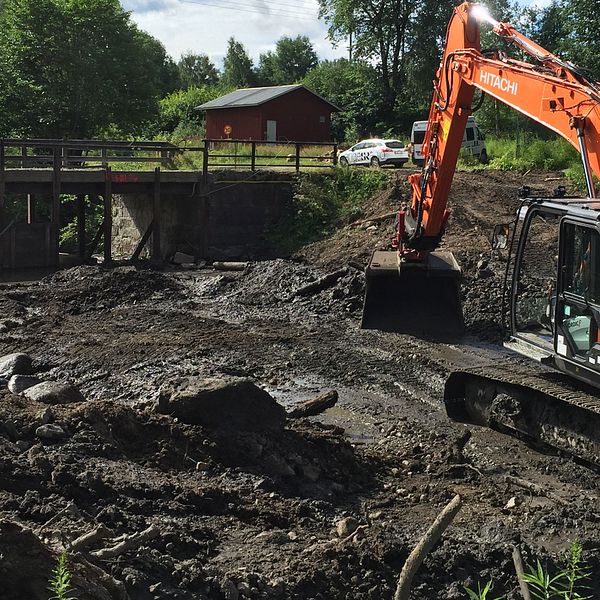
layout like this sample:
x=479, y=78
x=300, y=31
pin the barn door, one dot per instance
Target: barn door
x=271, y=131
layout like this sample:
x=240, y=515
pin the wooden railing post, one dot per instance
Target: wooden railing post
x=297, y=158
x=253, y=157
x=2, y=173
x=335, y=154
x=205, y=158
x=23, y=156
x=156, y=209
x=104, y=155
x=108, y=217
x=81, y=225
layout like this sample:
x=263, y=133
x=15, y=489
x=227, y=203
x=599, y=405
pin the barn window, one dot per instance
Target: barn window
x=321, y=119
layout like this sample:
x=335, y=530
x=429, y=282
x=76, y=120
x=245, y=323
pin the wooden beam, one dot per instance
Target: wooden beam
x=108, y=217
x=81, y=225
x=143, y=242
x=156, y=253
x=95, y=241
x=30, y=208
x=55, y=218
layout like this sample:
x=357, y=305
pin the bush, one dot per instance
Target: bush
x=550, y=155
x=324, y=202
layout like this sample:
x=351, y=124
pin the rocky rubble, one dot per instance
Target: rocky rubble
x=177, y=472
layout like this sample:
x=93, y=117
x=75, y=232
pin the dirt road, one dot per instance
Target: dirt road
x=249, y=514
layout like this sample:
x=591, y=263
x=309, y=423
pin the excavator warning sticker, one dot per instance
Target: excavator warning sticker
x=561, y=347
x=501, y=83
x=445, y=129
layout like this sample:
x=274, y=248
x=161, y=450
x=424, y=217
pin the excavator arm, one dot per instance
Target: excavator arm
x=416, y=288
x=550, y=91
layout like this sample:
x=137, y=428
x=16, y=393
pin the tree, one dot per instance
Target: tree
x=267, y=71
x=292, y=60
x=197, y=69
x=582, y=46
x=179, y=115
x=295, y=57
x=354, y=88
x=71, y=68
x=237, y=66
x=401, y=37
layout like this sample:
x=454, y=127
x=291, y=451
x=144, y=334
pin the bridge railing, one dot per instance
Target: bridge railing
x=210, y=154
x=257, y=154
x=31, y=153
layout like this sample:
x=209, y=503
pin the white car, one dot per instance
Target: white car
x=375, y=153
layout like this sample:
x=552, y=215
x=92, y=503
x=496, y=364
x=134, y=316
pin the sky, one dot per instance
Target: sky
x=204, y=26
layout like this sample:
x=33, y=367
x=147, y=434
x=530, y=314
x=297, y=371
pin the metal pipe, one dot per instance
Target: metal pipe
x=587, y=170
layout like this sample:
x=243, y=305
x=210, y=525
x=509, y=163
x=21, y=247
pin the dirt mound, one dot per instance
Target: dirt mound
x=87, y=288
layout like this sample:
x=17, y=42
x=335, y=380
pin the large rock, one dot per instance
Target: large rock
x=53, y=392
x=19, y=383
x=14, y=364
x=229, y=403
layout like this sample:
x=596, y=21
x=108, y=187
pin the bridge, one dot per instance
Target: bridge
x=49, y=169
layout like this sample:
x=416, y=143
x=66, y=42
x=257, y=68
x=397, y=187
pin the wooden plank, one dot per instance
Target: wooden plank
x=55, y=218
x=13, y=247
x=108, y=217
x=30, y=208
x=143, y=242
x=48, y=246
x=95, y=241
x=156, y=209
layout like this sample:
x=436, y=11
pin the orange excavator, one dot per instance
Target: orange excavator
x=552, y=282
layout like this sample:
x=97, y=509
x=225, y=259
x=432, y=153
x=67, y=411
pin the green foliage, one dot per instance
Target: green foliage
x=325, y=201
x=197, y=70
x=292, y=60
x=178, y=116
x=550, y=155
x=60, y=584
x=237, y=66
x=68, y=234
x=353, y=86
x=570, y=583
x=72, y=67
x=481, y=593
x=401, y=39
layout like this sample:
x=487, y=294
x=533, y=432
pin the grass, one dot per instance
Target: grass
x=238, y=155
x=555, y=154
x=570, y=582
x=60, y=584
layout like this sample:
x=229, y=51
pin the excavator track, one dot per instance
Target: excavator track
x=544, y=407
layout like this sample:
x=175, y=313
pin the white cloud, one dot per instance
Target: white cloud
x=199, y=27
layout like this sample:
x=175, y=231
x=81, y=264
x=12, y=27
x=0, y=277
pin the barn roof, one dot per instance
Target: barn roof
x=256, y=96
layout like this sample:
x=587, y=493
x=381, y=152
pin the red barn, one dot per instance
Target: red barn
x=280, y=113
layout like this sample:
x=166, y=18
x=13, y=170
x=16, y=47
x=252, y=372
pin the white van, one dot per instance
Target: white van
x=473, y=141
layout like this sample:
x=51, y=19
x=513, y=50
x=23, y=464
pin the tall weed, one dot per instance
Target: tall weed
x=325, y=201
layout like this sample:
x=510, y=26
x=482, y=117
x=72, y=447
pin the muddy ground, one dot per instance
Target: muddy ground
x=254, y=513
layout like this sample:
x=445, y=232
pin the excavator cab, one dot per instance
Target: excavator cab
x=413, y=298
x=555, y=288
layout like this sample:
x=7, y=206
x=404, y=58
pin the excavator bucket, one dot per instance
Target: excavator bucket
x=417, y=299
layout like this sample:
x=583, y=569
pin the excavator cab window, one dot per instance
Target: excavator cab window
x=578, y=313
x=535, y=290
